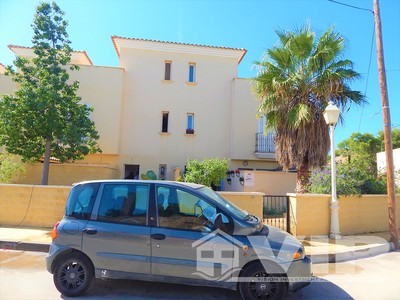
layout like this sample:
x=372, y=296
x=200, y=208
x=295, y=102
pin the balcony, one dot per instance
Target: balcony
x=265, y=146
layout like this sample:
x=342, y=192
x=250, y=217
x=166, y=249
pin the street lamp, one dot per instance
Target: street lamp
x=331, y=115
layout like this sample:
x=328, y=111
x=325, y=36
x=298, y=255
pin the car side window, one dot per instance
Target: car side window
x=81, y=200
x=124, y=203
x=182, y=210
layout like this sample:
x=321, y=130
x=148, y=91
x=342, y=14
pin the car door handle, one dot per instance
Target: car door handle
x=158, y=236
x=90, y=230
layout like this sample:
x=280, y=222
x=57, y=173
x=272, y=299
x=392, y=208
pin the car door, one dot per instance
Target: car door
x=117, y=237
x=185, y=244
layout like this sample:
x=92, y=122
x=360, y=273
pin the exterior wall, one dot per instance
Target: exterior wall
x=268, y=182
x=69, y=173
x=250, y=202
x=7, y=86
x=310, y=214
x=32, y=206
x=147, y=95
x=102, y=88
x=243, y=129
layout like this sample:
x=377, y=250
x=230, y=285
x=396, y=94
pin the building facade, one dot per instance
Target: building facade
x=165, y=103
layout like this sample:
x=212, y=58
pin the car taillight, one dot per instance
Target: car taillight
x=54, y=232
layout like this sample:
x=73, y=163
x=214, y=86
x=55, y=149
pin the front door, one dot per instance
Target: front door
x=117, y=238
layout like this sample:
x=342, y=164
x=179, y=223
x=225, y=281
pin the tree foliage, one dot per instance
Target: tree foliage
x=45, y=116
x=10, y=168
x=296, y=80
x=360, y=151
x=350, y=180
x=395, y=139
x=208, y=172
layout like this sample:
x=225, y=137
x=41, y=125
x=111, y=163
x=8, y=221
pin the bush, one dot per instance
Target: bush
x=349, y=181
x=208, y=172
x=10, y=168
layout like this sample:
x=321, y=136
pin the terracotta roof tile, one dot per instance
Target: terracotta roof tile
x=24, y=47
x=174, y=43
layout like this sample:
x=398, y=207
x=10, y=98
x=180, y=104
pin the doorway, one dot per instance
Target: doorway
x=131, y=171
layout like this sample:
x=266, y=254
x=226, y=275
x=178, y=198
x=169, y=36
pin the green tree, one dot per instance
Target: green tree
x=44, y=117
x=10, y=167
x=395, y=139
x=360, y=151
x=208, y=172
x=296, y=80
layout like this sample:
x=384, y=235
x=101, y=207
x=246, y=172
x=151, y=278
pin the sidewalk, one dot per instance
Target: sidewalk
x=320, y=249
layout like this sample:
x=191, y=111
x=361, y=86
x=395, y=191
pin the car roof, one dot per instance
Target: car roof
x=171, y=183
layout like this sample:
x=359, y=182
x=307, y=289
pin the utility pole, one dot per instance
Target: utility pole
x=387, y=129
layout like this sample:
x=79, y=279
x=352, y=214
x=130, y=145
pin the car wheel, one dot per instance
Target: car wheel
x=73, y=275
x=257, y=283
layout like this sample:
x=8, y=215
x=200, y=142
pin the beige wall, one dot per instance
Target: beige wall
x=102, y=88
x=31, y=206
x=250, y=202
x=146, y=96
x=310, y=214
x=43, y=206
x=7, y=86
x=68, y=174
x=268, y=182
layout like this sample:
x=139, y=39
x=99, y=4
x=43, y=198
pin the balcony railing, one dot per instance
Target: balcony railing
x=265, y=145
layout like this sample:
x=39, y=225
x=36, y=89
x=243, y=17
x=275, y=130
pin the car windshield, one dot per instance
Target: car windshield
x=238, y=212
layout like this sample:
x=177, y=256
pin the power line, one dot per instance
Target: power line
x=356, y=7
x=369, y=68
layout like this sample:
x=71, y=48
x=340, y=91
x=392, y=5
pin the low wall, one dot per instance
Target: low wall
x=310, y=214
x=31, y=205
x=42, y=206
x=68, y=173
x=251, y=202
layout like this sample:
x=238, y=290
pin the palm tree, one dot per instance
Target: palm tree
x=296, y=80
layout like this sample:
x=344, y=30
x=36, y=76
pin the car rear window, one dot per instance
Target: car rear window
x=81, y=200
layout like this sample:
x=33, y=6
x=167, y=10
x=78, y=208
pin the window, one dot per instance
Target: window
x=167, y=75
x=192, y=72
x=124, y=203
x=179, y=209
x=190, y=123
x=164, y=125
x=81, y=200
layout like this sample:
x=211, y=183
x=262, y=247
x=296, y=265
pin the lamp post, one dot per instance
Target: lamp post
x=331, y=115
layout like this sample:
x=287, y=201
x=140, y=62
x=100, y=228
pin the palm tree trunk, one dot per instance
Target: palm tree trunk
x=46, y=164
x=302, y=178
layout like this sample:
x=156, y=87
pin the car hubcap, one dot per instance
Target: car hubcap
x=72, y=275
x=262, y=287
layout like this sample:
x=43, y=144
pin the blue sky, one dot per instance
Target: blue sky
x=248, y=24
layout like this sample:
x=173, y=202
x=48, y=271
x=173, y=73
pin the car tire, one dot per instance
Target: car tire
x=73, y=274
x=258, y=283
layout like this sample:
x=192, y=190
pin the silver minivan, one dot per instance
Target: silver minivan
x=170, y=232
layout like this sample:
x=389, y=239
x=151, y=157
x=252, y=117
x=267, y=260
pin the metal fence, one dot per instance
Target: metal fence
x=276, y=211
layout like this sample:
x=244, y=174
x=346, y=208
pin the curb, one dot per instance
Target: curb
x=351, y=255
x=23, y=246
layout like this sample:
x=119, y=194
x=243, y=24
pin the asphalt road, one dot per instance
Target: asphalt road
x=23, y=276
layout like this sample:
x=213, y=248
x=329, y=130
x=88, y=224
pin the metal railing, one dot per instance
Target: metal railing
x=265, y=143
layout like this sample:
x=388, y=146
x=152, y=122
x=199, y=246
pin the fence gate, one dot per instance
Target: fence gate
x=276, y=212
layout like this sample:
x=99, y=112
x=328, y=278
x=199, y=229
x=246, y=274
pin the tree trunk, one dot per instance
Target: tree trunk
x=46, y=164
x=302, y=178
